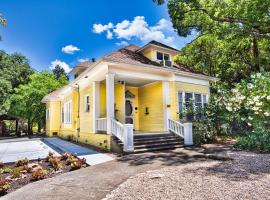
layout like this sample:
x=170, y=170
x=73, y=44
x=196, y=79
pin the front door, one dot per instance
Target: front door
x=129, y=111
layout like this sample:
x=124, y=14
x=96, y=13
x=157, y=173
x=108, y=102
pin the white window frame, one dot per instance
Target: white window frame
x=193, y=98
x=47, y=114
x=68, y=112
x=162, y=56
x=86, y=104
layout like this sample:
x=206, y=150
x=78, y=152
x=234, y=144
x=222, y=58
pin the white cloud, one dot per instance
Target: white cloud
x=99, y=28
x=122, y=43
x=70, y=49
x=62, y=64
x=83, y=60
x=139, y=29
x=109, y=35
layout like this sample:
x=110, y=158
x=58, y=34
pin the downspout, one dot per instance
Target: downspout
x=78, y=113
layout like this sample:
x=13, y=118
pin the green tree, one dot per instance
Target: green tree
x=239, y=30
x=14, y=70
x=59, y=71
x=26, y=101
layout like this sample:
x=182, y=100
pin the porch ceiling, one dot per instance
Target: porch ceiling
x=135, y=82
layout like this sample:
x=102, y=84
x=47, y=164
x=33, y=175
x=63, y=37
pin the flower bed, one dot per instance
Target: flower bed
x=22, y=172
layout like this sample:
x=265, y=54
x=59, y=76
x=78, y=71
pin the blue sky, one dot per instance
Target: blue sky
x=50, y=32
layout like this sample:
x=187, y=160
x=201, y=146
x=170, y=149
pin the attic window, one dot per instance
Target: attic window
x=164, y=59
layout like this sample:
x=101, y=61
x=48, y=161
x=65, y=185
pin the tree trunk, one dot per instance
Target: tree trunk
x=17, y=128
x=29, y=127
x=256, y=54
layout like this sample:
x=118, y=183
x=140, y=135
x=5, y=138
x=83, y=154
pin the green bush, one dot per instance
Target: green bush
x=255, y=141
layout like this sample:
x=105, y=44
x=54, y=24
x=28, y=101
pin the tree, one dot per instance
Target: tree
x=26, y=101
x=14, y=71
x=59, y=71
x=241, y=30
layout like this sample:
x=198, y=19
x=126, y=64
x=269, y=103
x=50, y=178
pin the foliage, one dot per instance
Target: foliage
x=59, y=71
x=232, y=37
x=39, y=174
x=256, y=141
x=4, y=186
x=22, y=162
x=17, y=172
x=77, y=163
x=14, y=71
x=55, y=163
x=26, y=102
x=66, y=156
x=5, y=170
x=3, y=22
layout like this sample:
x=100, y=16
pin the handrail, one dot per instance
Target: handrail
x=117, y=129
x=101, y=124
x=176, y=127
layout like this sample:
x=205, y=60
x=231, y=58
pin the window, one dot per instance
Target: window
x=67, y=112
x=164, y=58
x=191, y=100
x=47, y=114
x=87, y=103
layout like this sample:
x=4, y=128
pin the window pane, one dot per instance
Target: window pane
x=198, y=100
x=188, y=99
x=159, y=56
x=166, y=56
x=204, y=100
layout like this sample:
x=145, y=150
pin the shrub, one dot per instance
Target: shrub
x=39, y=174
x=50, y=155
x=1, y=164
x=4, y=186
x=22, y=162
x=55, y=163
x=17, y=172
x=255, y=141
x=5, y=170
x=65, y=156
x=77, y=164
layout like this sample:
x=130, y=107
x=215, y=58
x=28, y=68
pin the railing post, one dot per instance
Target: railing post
x=128, y=138
x=188, y=137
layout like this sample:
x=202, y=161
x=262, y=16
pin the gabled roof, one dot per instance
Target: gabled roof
x=156, y=43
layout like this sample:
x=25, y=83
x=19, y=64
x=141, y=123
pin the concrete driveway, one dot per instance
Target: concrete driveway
x=12, y=150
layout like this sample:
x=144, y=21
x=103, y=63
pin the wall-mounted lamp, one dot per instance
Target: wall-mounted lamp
x=168, y=105
x=146, y=111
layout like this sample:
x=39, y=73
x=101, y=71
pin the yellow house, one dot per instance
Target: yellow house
x=128, y=93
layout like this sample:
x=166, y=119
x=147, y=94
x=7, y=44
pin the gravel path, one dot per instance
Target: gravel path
x=245, y=177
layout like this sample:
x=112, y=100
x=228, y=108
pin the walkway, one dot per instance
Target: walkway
x=97, y=181
x=92, y=157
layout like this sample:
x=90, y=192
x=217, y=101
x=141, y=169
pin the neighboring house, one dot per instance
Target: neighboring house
x=128, y=92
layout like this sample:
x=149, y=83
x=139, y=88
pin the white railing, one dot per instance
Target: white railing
x=124, y=132
x=183, y=130
x=101, y=124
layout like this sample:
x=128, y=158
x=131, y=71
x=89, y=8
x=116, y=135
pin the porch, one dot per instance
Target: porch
x=128, y=107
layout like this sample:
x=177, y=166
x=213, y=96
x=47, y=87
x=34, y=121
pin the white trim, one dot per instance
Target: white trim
x=191, y=80
x=47, y=113
x=68, y=112
x=109, y=100
x=96, y=103
x=166, y=101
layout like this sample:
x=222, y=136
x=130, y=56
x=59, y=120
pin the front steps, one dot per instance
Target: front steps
x=155, y=142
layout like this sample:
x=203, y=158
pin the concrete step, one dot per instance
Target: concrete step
x=158, y=144
x=156, y=138
x=152, y=141
x=159, y=148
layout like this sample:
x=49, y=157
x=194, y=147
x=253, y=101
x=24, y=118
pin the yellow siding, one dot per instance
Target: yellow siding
x=102, y=96
x=86, y=118
x=175, y=87
x=151, y=96
x=149, y=53
x=134, y=90
x=53, y=123
x=119, y=99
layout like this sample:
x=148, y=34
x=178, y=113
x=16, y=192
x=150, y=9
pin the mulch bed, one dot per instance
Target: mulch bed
x=26, y=176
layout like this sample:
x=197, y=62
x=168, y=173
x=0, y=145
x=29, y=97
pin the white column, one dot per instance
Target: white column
x=166, y=101
x=128, y=138
x=188, y=137
x=109, y=100
x=96, y=102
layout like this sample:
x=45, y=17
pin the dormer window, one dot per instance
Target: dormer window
x=164, y=59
